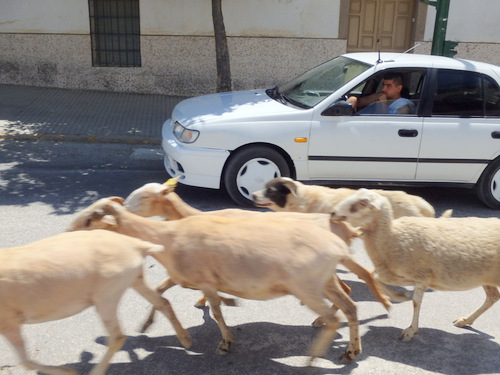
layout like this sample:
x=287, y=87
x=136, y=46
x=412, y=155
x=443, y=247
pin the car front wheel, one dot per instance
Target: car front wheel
x=249, y=170
x=488, y=186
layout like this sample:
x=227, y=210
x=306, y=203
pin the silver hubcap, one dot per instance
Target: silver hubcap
x=495, y=185
x=254, y=174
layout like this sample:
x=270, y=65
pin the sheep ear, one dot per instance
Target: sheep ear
x=110, y=220
x=374, y=203
x=292, y=186
x=118, y=200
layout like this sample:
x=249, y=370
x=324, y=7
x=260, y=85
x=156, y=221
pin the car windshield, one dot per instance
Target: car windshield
x=312, y=87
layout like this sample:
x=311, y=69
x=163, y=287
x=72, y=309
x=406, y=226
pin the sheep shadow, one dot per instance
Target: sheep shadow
x=436, y=351
x=266, y=348
x=269, y=348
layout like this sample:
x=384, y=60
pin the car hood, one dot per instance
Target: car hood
x=229, y=106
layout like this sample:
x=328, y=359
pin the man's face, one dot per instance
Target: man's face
x=391, y=90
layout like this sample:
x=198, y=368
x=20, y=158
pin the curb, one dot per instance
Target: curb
x=81, y=138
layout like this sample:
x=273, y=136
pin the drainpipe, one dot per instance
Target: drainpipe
x=440, y=46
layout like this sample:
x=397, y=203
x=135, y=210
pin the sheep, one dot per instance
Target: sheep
x=285, y=194
x=436, y=253
x=62, y=275
x=154, y=199
x=220, y=254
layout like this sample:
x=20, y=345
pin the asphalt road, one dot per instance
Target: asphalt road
x=43, y=185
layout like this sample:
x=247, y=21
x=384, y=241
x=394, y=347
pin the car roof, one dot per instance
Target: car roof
x=397, y=60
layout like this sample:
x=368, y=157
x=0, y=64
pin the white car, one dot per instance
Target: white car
x=306, y=129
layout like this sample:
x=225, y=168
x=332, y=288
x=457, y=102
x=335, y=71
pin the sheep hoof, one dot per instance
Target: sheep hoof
x=461, y=322
x=186, y=340
x=223, y=348
x=348, y=356
x=318, y=323
x=408, y=334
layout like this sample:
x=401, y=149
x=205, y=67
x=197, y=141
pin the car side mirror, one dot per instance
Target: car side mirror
x=340, y=108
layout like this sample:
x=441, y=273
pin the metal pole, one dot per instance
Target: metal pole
x=442, y=8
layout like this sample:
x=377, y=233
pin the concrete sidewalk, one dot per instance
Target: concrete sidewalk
x=52, y=114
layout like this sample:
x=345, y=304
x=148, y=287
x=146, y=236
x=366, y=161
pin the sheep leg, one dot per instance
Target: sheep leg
x=408, y=333
x=394, y=295
x=167, y=284
x=13, y=335
x=227, y=337
x=492, y=296
x=107, y=311
x=348, y=307
x=315, y=302
x=368, y=278
x=160, y=288
x=346, y=288
x=318, y=322
x=164, y=306
x=226, y=301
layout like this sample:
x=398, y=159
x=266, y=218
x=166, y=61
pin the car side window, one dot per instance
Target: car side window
x=491, y=97
x=368, y=103
x=458, y=93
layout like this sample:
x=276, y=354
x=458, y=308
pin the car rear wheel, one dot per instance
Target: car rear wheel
x=249, y=170
x=488, y=186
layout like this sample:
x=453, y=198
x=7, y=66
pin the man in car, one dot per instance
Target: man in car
x=388, y=101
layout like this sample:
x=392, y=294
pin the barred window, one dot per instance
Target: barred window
x=115, y=33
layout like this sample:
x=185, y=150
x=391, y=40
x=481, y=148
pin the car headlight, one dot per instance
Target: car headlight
x=185, y=135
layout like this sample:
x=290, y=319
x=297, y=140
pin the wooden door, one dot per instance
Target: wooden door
x=389, y=21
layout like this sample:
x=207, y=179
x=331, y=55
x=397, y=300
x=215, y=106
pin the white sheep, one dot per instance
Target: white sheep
x=438, y=253
x=154, y=199
x=249, y=258
x=62, y=275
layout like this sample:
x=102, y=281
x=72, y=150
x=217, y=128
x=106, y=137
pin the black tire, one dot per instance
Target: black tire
x=488, y=186
x=249, y=169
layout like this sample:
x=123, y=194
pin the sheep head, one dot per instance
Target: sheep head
x=99, y=215
x=150, y=199
x=361, y=209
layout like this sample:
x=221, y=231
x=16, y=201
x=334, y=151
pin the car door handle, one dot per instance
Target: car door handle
x=495, y=135
x=407, y=132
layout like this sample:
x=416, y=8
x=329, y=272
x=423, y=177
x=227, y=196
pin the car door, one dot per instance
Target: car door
x=458, y=139
x=367, y=147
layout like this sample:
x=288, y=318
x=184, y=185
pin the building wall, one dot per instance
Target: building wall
x=475, y=26
x=270, y=41
x=177, y=47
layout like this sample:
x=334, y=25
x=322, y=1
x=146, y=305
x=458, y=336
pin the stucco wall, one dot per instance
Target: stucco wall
x=177, y=65
x=270, y=41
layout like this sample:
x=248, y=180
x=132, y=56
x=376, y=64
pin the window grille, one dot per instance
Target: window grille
x=115, y=33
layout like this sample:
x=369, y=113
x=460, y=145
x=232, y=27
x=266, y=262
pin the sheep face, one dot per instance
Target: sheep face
x=145, y=200
x=360, y=209
x=97, y=216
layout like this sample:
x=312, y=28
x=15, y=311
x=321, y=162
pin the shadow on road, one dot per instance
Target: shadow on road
x=267, y=348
